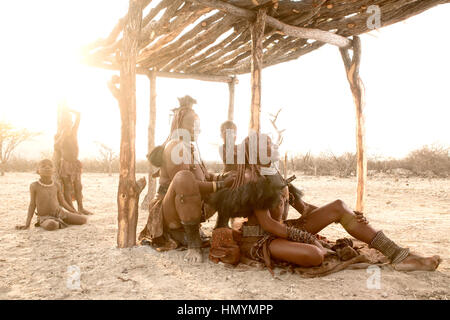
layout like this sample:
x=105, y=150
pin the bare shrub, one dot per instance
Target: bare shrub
x=10, y=139
x=325, y=164
x=107, y=156
x=429, y=161
x=345, y=164
x=17, y=164
x=433, y=159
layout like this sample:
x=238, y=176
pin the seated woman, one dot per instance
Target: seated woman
x=179, y=207
x=262, y=198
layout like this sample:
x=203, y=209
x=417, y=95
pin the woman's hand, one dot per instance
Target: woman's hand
x=360, y=217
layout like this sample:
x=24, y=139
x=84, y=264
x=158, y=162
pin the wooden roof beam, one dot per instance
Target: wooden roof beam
x=223, y=55
x=163, y=74
x=175, y=29
x=199, y=43
x=193, y=76
x=152, y=29
x=148, y=58
x=299, y=32
x=241, y=50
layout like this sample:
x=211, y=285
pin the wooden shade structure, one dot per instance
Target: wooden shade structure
x=215, y=40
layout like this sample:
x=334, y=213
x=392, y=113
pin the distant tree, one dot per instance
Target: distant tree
x=10, y=139
x=107, y=156
x=279, y=138
x=279, y=132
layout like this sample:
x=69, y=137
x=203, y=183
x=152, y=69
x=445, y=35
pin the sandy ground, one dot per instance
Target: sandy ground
x=37, y=264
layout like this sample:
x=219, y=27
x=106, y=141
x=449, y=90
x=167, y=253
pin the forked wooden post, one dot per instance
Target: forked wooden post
x=231, y=86
x=257, y=30
x=151, y=134
x=357, y=87
x=129, y=190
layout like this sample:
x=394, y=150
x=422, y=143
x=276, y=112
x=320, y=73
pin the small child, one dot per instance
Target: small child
x=47, y=198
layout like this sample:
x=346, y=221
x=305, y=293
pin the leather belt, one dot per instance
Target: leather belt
x=253, y=231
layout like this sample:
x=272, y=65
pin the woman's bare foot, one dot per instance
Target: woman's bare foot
x=414, y=262
x=194, y=255
x=85, y=212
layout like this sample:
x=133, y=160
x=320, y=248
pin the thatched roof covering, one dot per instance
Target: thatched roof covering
x=213, y=37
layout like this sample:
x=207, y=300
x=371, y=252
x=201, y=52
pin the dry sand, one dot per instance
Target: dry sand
x=34, y=263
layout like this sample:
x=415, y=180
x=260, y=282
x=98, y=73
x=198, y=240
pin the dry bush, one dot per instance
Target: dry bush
x=324, y=164
x=100, y=166
x=17, y=164
x=385, y=165
x=428, y=161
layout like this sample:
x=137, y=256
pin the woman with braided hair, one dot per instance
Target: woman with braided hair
x=179, y=207
x=261, y=194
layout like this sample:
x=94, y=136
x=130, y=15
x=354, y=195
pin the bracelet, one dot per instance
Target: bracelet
x=297, y=235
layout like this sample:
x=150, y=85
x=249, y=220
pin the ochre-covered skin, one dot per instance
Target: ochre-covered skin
x=313, y=220
x=70, y=167
x=48, y=202
x=189, y=185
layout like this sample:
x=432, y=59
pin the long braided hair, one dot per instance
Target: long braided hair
x=156, y=155
x=180, y=113
x=244, y=196
x=255, y=171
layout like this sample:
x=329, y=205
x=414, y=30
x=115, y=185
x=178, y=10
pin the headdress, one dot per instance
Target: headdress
x=186, y=104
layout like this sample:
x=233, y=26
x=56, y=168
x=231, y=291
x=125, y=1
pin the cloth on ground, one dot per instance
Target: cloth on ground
x=58, y=216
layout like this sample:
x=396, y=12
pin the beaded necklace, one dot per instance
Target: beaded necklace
x=46, y=185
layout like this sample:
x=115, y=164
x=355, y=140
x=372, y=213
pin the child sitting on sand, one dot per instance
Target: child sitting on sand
x=47, y=198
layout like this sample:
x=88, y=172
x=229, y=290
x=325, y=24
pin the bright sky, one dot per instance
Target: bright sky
x=405, y=69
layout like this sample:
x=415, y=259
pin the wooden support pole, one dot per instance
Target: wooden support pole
x=151, y=139
x=285, y=165
x=357, y=87
x=129, y=190
x=231, y=86
x=257, y=30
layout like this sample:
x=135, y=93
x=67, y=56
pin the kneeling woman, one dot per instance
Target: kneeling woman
x=262, y=196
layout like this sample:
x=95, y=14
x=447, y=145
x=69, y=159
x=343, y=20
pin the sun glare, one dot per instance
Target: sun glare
x=43, y=68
